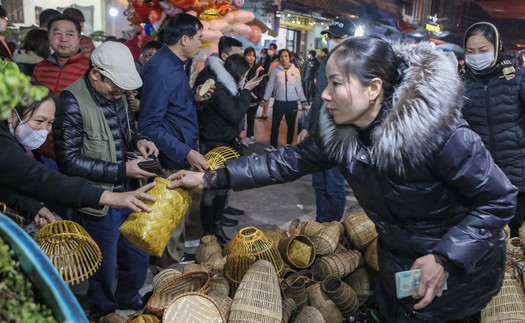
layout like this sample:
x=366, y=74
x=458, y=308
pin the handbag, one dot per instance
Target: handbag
x=151, y=231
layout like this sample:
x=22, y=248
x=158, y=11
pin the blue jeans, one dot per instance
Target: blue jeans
x=330, y=194
x=120, y=259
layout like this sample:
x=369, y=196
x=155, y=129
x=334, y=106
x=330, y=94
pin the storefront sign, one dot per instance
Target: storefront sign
x=297, y=21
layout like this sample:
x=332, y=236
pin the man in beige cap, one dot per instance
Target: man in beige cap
x=93, y=133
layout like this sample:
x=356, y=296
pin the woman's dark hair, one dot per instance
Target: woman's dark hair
x=264, y=50
x=249, y=50
x=281, y=51
x=62, y=17
x=182, y=24
x=486, y=30
x=29, y=110
x=237, y=66
x=367, y=58
x=37, y=41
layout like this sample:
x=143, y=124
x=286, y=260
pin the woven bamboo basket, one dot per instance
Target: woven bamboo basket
x=360, y=230
x=289, y=309
x=508, y=305
x=208, y=247
x=151, y=231
x=327, y=239
x=521, y=232
x=360, y=282
x=219, y=285
x=138, y=317
x=309, y=314
x=215, y=263
x=258, y=298
x=287, y=271
x=223, y=302
x=343, y=296
x=311, y=228
x=339, y=226
x=298, y=251
x=192, y=282
x=296, y=225
x=337, y=265
x=193, y=307
x=248, y=246
x=506, y=232
x=164, y=276
x=71, y=250
x=190, y=268
x=294, y=287
x=371, y=259
x=514, y=248
x=275, y=233
x=320, y=300
x=217, y=157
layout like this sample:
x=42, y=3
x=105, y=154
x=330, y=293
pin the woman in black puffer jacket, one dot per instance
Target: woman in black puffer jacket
x=392, y=124
x=496, y=106
x=220, y=125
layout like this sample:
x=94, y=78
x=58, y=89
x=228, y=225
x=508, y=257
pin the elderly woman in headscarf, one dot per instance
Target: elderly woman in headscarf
x=495, y=109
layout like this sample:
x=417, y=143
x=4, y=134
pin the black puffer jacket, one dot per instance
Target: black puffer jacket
x=496, y=112
x=221, y=116
x=426, y=181
x=68, y=134
x=21, y=175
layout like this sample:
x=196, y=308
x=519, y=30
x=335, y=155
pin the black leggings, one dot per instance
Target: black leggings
x=289, y=110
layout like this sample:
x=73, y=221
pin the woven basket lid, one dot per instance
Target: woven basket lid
x=72, y=251
x=185, y=283
x=193, y=307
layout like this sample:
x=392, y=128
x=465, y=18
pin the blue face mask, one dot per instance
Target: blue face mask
x=27, y=137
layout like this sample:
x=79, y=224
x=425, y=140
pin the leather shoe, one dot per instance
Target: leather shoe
x=233, y=211
x=136, y=307
x=227, y=222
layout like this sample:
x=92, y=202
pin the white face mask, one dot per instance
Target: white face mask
x=271, y=52
x=332, y=44
x=479, y=61
x=29, y=138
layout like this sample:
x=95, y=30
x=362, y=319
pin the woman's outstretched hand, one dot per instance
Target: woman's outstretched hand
x=193, y=181
x=433, y=278
x=132, y=200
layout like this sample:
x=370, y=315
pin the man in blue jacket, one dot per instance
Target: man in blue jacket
x=168, y=115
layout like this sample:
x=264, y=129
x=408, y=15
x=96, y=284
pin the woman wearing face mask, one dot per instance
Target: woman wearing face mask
x=255, y=70
x=24, y=181
x=285, y=86
x=220, y=125
x=495, y=109
x=424, y=178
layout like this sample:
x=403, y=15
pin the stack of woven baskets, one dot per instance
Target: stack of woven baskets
x=313, y=272
x=509, y=304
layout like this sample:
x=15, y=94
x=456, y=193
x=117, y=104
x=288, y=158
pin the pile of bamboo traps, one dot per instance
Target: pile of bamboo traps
x=308, y=273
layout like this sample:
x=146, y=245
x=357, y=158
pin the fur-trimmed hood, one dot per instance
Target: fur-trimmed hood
x=217, y=66
x=426, y=105
x=26, y=57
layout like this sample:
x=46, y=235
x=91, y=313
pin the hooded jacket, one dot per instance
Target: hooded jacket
x=26, y=60
x=423, y=177
x=221, y=116
x=496, y=112
x=285, y=84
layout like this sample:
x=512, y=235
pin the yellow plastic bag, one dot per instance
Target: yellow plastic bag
x=151, y=231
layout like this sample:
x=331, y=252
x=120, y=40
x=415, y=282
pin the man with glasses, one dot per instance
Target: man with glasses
x=329, y=185
x=94, y=132
x=66, y=65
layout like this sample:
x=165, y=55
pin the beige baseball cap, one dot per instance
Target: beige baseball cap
x=114, y=61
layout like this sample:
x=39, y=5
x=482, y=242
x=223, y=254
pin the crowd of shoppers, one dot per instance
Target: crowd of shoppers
x=438, y=174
